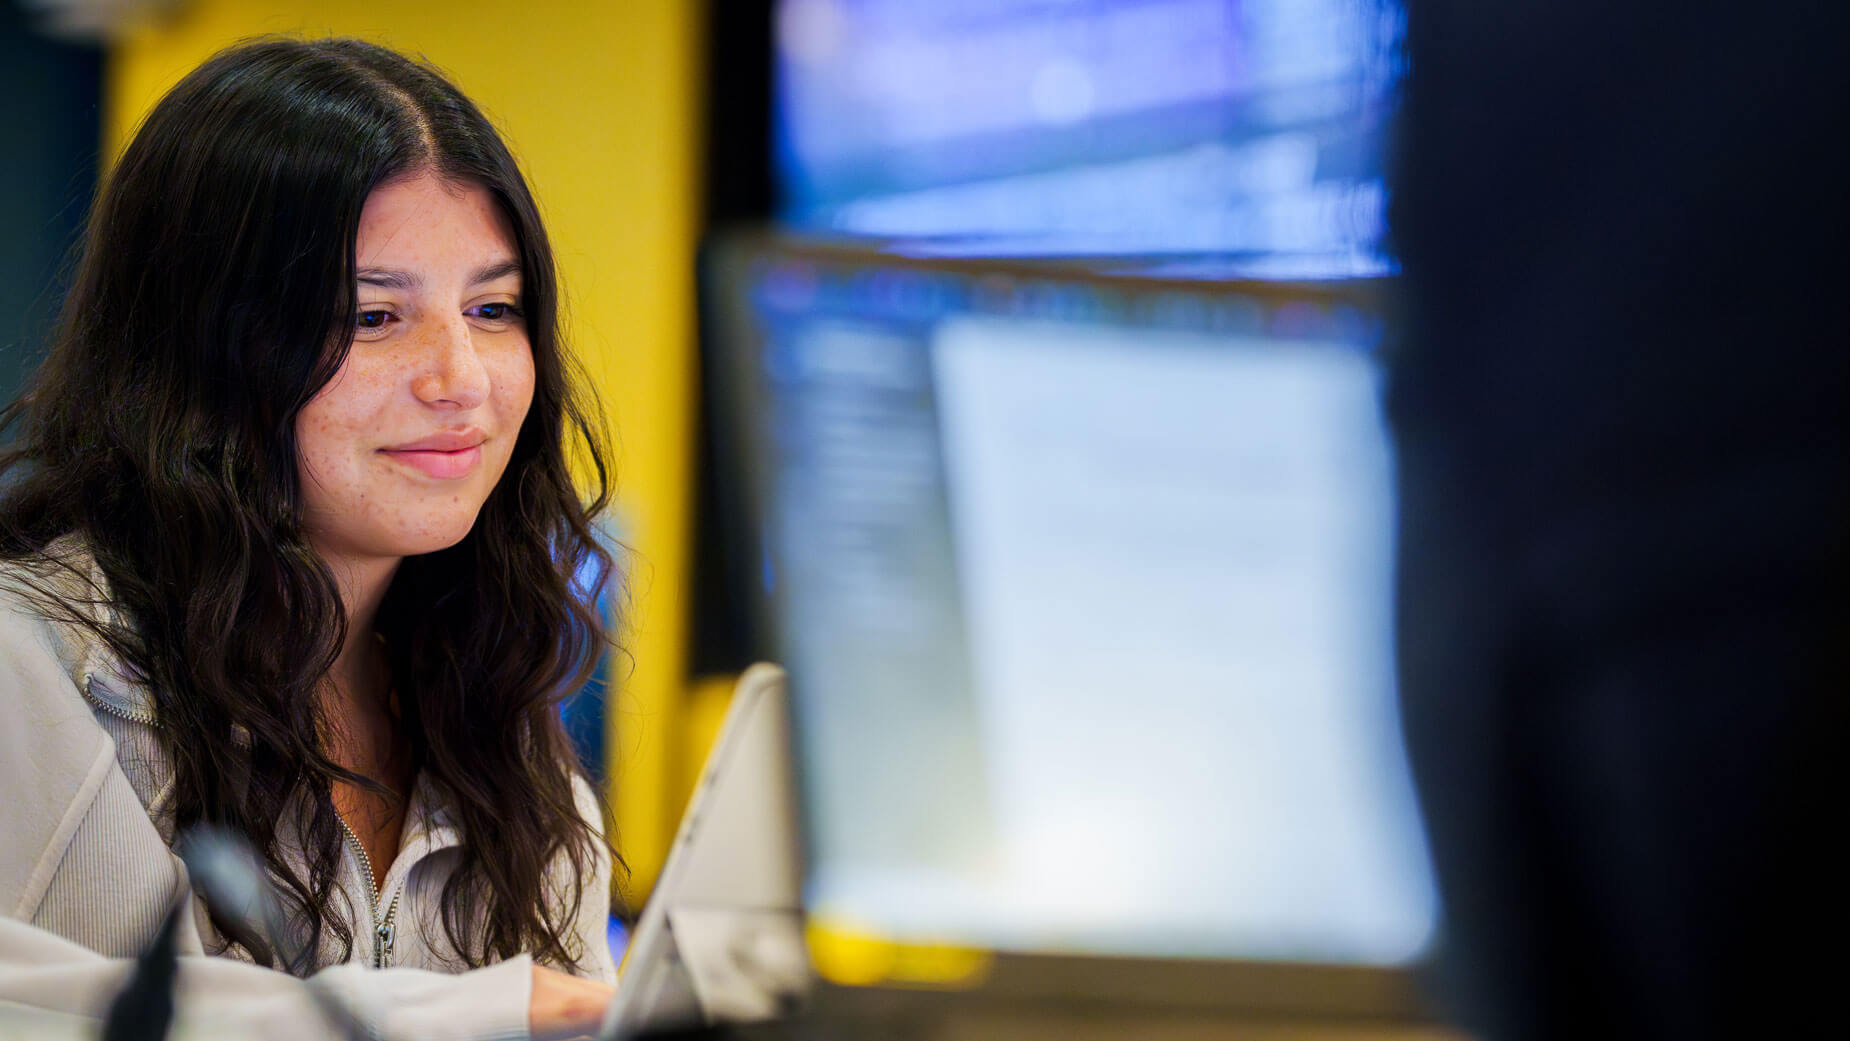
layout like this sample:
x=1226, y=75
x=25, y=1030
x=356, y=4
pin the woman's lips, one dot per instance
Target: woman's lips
x=436, y=463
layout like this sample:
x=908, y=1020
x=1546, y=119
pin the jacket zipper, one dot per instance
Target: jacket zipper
x=385, y=927
x=144, y=718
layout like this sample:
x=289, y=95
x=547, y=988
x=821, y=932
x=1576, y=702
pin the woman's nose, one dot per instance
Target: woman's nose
x=451, y=373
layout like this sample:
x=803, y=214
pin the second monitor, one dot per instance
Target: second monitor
x=1083, y=583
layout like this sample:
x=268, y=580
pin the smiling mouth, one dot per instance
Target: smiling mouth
x=438, y=463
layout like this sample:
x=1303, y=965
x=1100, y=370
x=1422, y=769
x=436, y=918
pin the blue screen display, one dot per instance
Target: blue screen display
x=1245, y=128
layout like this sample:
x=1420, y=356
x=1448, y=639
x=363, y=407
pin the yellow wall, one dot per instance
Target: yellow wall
x=600, y=100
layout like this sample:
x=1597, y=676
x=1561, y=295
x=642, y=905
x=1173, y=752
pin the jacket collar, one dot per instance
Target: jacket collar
x=105, y=679
x=94, y=667
x=430, y=825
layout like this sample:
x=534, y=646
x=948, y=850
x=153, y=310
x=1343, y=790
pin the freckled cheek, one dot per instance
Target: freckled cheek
x=333, y=428
x=315, y=437
x=511, y=380
x=369, y=384
x=511, y=374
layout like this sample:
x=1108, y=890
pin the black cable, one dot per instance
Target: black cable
x=143, y=1011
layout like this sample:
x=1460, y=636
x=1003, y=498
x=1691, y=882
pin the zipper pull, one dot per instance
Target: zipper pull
x=382, y=944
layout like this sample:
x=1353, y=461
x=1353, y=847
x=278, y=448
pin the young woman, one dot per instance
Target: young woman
x=287, y=538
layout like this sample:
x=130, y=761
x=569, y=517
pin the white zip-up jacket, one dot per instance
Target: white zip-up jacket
x=87, y=871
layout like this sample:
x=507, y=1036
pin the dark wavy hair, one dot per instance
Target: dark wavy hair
x=214, y=298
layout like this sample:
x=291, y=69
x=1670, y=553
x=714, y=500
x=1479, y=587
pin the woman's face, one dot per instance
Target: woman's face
x=401, y=449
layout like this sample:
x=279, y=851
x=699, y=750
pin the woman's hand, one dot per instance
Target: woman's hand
x=565, y=1006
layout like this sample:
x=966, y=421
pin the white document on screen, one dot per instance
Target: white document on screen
x=1175, y=557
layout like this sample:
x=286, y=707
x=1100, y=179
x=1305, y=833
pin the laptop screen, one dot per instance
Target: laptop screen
x=1083, y=584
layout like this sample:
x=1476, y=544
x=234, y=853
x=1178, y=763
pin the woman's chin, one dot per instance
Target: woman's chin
x=431, y=536
x=436, y=542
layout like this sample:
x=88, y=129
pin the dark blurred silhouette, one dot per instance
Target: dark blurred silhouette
x=1619, y=389
x=47, y=175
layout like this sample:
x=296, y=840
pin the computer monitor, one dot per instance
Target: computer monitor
x=1005, y=127
x=1083, y=585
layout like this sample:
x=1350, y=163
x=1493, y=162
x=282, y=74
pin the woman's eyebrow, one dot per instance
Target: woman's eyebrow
x=498, y=269
x=386, y=279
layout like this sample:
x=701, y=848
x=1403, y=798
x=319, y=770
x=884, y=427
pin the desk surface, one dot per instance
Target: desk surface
x=1073, y=1027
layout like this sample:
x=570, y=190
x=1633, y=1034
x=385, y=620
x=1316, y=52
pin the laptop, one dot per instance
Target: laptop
x=1082, y=574
x=720, y=939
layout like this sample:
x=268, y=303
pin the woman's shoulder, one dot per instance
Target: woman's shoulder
x=54, y=755
x=46, y=599
x=32, y=637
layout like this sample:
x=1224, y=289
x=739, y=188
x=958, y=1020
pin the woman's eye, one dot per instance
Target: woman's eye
x=497, y=312
x=372, y=319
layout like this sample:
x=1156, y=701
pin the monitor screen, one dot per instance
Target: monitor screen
x=1047, y=127
x=1083, y=584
